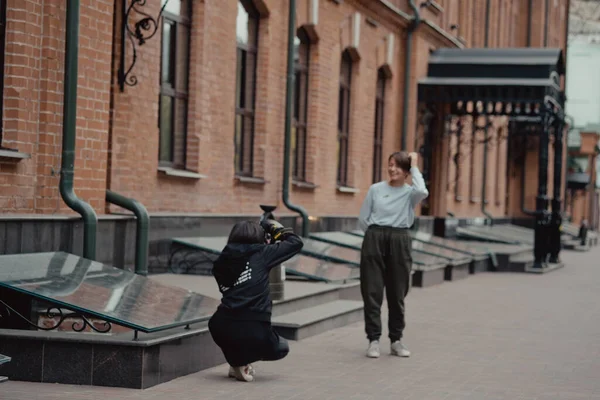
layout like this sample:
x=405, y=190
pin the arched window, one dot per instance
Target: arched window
x=174, y=83
x=344, y=119
x=379, y=123
x=299, y=136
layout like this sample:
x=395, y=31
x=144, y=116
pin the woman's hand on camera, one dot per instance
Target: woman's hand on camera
x=275, y=229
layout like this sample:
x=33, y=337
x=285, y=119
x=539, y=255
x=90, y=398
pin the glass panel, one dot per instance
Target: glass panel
x=343, y=161
x=112, y=294
x=297, y=94
x=166, y=129
x=239, y=126
x=380, y=86
x=247, y=145
x=322, y=249
x=299, y=265
x=213, y=244
x=340, y=237
x=426, y=259
x=302, y=96
x=338, y=156
x=179, y=138
x=173, y=6
x=438, y=251
x=168, y=52
x=341, y=109
x=249, y=78
x=301, y=153
x=240, y=79
x=4, y=359
x=242, y=33
x=346, y=69
x=297, y=44
x=182, y=58
x=293, y=151
x=314, y=268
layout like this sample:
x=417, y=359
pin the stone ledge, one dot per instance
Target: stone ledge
x=304, y=185
x=347, y=189
x=252, y=180
x=180, y=173
x=13, y=155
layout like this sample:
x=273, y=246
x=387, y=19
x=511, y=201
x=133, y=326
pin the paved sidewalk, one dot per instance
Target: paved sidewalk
x=490, y=337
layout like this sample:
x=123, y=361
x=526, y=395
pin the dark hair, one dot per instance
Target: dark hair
x=401, y=159
x=247, y=232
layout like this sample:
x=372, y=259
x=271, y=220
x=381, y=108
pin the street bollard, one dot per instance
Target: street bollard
x=277, y=274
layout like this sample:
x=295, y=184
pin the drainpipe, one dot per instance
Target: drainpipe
x=142, y=227
x=409, y=34
x=67, y=173
x=288, y=122
x=485, y=160
x=529, y=15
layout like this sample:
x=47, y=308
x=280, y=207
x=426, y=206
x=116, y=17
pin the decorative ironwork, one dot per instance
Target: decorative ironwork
x=54, y=312
x=140, y=31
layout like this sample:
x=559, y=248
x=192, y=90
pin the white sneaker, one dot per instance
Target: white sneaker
x=398, y=349
x=244, y=374
x=232, y=371
x=373, y=351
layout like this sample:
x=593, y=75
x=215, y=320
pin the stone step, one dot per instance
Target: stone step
x=456, y=272
x=315, y=320
x=520, y=263
x=547, y=268
x=328, y=294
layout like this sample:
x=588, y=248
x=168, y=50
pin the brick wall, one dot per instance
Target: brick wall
x=34, y=73
x=118, y=133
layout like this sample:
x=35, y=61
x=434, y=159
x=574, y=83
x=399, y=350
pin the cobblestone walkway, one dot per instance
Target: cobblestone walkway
x=489, y=337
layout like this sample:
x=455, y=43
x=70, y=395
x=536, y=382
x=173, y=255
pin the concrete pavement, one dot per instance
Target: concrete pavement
x=492, y=336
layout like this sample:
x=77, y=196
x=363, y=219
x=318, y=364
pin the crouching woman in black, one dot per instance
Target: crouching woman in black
x=241, y=326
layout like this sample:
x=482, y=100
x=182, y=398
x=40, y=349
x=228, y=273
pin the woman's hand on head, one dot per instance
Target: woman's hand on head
x=414, y=159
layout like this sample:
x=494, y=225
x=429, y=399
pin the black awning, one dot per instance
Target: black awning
x=523, y=75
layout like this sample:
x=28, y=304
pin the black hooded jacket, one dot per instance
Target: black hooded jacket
x=242, y=273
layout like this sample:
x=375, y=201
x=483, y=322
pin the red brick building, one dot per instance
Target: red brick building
x=202, y=130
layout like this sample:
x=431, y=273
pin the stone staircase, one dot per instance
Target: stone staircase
x=328, y=307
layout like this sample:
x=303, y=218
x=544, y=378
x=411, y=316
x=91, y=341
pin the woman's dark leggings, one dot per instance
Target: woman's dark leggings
x=244, y=342
x=386, y=261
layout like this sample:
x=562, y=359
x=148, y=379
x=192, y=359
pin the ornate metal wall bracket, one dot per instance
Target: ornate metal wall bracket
x=54, y=312
x=136, y=32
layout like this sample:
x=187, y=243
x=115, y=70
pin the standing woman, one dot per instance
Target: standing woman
x=386, y=215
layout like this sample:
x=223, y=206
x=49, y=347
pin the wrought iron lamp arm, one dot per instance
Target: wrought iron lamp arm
x=142, y=30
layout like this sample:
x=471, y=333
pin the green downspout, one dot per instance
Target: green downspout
x=288, y=122
x=67, y=172
x=142, y=228
x=485, y=131
x=409, y=34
